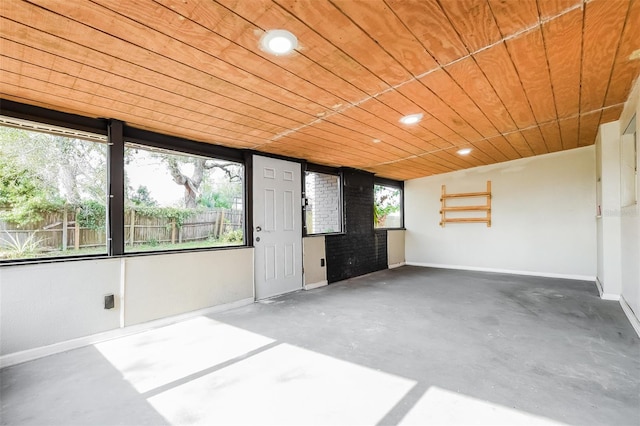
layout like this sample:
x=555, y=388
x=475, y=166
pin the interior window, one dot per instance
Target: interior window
x=323, y=212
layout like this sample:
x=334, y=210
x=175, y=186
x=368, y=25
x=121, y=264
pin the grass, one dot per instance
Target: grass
x=181, y=246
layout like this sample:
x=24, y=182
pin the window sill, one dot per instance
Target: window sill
x=39, y=261
x=323, y=235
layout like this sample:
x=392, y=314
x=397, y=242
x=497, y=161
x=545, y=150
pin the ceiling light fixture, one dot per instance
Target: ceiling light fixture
x=411, y=118
x=464, y=151
x=278, y=42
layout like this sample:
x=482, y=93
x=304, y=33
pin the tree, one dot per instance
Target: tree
x=23, y=194
x=16, y=184
x=42, y=172
x=142, y=197
x=75, y=168
x=386, y=201
x=219, y=194
x=193, y=182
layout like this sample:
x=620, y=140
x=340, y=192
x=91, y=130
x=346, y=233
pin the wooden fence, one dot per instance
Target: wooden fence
x=207, y=224
x=59, y=230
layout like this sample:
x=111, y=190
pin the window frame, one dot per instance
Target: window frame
x=390, y=183
x=117, y=132
x=69, y=126
x=129, y=249
x=179, y=145
x=316, y=168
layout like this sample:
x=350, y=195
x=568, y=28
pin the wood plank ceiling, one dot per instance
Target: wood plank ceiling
x=507, y=78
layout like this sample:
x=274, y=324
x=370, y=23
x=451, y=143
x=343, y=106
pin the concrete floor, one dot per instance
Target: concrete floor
x=404, y=346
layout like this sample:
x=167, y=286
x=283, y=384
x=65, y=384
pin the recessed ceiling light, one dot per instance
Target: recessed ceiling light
x=464, y=151
x=278, y=42
x=411, y=118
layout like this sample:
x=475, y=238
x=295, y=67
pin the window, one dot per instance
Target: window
x=387, y=209
x=74, y=186
x=323, y=212
x=52, y=191
x=179, y=201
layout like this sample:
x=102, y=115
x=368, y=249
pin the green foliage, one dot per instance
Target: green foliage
x=142, y=197
x=16, y=183
x=14, y=248
x=213, y=200
x=23, y=194
x=234, y=236
x=30, y=211
x=72, y=168
x=172, y=213
x=42, y=173
x=91, y=214
x=386, y=201
x=219, y=194
x=27, y=199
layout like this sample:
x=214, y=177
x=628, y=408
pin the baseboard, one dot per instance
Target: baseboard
x=599, y=287
x=505, y=271
x=633, y=319
x=67, y=345
x=610, y=296
x=316, y=285
x=396, y=265
x=603, y=295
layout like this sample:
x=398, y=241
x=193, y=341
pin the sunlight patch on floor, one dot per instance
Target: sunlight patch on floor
x=161, y=356
x=443, y=407
x=284, y=385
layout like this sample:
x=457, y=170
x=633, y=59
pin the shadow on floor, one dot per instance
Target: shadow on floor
x=404, y=346
x=549, y=347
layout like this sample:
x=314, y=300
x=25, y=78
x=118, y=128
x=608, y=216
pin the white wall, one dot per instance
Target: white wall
x=608, y=202
x=395, y=247
x=313, y=251
x=619, y=242
x=43, y=304
x=49, y=303
x=630, y=223
x=165, y=285
x=543, y=217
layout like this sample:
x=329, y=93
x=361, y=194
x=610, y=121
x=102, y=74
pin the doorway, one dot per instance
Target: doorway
x=277, y=221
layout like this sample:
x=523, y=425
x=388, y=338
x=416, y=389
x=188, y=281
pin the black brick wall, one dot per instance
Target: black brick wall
x=361, y=249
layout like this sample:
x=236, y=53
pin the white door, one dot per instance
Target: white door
x=277, y=227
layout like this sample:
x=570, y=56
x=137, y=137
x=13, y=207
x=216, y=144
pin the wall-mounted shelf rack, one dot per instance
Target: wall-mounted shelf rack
x=476, y=208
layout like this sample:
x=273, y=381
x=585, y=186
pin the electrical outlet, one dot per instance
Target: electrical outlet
x=109, y=301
